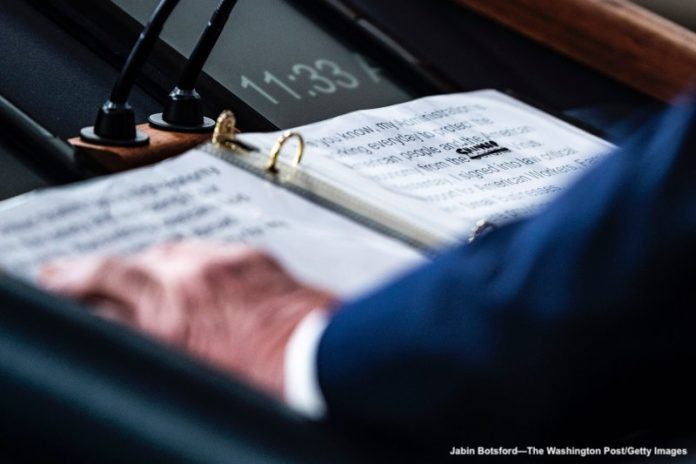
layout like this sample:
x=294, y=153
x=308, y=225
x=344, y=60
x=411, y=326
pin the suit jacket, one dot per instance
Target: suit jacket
x=578, y=323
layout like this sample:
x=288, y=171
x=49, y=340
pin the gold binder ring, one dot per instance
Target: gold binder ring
x=280, y=143
x=226, y=130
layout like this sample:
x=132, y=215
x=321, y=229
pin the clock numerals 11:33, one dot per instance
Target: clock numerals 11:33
x=325, y=77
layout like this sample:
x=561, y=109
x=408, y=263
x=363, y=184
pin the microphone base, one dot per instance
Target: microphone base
x=88, y=135
x=157, y=121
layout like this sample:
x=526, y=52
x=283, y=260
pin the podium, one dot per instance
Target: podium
x=91, y=392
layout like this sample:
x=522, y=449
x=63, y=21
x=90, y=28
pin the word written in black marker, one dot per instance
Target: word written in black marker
x=482, y=149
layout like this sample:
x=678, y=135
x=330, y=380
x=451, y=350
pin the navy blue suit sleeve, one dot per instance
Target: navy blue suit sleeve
x=578, y=322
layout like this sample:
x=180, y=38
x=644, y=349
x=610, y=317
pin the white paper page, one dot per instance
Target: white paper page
x=196, y=195
x=405, y=156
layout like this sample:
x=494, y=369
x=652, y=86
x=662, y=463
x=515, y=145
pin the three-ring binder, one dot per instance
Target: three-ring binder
x=225, y=134
x=314, y=187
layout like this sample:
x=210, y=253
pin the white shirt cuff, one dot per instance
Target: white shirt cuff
x=302, y=391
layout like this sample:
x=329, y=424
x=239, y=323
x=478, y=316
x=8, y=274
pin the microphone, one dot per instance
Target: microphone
x=184, y=109
x=115, y=124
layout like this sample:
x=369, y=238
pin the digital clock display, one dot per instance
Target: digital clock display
x=278, y=61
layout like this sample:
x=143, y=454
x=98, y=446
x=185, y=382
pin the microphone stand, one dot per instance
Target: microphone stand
x=184, y=109
x=115, y=123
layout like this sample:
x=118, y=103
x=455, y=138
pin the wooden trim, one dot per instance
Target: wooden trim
x=616, y=37
x=162, y=145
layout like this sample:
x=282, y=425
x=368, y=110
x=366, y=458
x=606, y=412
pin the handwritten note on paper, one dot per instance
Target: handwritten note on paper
x=472, y=155
x=199, y=196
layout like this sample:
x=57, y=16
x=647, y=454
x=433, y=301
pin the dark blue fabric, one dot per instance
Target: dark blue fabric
x=577, y=323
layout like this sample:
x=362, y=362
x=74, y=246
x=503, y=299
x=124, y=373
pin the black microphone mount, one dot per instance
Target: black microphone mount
x=184, y=109
x=115, y=124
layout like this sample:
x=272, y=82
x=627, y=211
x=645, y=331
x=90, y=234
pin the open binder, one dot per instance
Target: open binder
x=287, y=175
x=365, y=196
x=393, y=218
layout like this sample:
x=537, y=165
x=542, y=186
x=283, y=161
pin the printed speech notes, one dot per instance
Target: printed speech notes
x=472, y=156
x=426, y=170
x=198, y=196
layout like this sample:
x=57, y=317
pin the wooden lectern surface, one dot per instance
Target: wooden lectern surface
x=616, y=37
x=162, y=145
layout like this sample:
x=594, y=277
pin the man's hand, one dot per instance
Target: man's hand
x=228, y=304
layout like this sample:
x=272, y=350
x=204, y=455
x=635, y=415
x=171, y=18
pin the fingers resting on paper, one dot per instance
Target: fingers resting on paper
x=232, y=305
